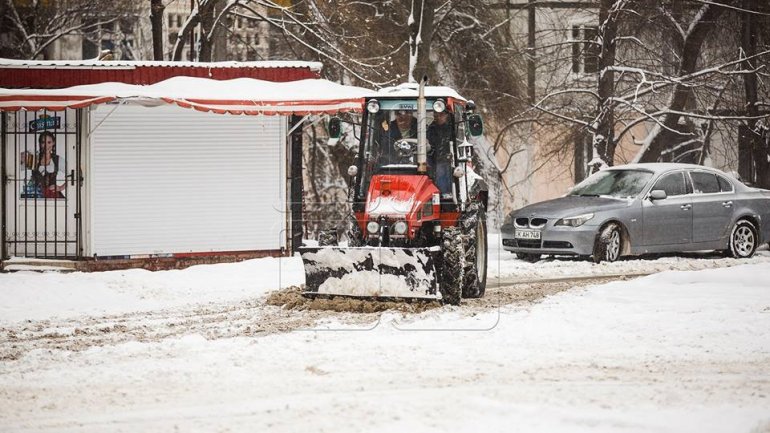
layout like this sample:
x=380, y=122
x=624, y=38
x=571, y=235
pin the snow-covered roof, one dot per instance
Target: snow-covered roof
x=93, y=63
x=411, y=90
x=237, y=96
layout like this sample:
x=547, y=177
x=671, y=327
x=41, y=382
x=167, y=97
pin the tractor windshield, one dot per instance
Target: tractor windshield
x=391, y=142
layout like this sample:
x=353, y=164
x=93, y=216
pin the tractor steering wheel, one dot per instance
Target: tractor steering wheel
x=405, y=147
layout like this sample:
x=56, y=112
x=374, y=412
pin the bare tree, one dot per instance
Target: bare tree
x=666, y=69
x=32, y=27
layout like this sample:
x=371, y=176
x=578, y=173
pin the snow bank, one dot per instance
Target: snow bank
x=36, y=296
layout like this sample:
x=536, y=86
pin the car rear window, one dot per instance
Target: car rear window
x=704, y=183
x=724, y=184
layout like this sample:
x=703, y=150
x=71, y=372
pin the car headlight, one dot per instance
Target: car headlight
x=372, y=227
x=575, y=221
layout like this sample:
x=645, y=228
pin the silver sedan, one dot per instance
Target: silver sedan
x=644, y=208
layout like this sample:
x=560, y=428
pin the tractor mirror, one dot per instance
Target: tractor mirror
x=475, y=125
x=335, y=128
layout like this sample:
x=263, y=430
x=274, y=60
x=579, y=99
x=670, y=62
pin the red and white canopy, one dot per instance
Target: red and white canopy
x=238, y=96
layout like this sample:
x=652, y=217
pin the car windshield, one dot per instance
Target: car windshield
x=613, y=183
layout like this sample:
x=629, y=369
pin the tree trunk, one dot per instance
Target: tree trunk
x=749, y=45
x=691, y=52
x=604, y=135
x=156, y=20
x=420, y=35
x=207, y=22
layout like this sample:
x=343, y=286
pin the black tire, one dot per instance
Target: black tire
x=609, y=244
x=743, y=240
x=352, y=232
x=473, y=226
x=528, y=257
x=452, y=266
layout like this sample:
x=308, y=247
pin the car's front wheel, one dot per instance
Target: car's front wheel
x=608, y=244
x=743, y=240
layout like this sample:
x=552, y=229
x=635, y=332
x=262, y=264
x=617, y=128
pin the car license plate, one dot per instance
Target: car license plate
x=526, y=234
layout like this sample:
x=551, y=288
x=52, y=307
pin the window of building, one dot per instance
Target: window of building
x=585, y=49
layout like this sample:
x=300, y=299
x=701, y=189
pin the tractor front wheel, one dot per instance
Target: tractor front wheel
x=452, y=266
x=474, y=229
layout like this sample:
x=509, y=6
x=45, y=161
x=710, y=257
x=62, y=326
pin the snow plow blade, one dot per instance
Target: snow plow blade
x=370, y=272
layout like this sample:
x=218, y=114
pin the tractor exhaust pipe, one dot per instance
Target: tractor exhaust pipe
x=422, y=128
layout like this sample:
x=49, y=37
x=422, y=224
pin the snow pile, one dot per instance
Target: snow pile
x=36, y=296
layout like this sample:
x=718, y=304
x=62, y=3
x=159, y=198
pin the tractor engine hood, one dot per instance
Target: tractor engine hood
x=399, y=196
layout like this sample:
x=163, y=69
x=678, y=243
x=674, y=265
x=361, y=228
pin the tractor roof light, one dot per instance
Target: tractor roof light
x=439, y=105
x=373, y=106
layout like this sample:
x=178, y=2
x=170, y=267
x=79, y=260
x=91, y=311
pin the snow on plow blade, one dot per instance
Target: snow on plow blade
x=370, y=272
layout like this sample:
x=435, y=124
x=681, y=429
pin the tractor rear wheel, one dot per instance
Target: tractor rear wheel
x=452, y=266
x=474, y=229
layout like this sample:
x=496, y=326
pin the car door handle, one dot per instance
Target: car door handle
x=686, y=206
x=727, y=203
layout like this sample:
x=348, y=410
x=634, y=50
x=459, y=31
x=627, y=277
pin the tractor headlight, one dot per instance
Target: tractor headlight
x=400, y=227
x=373, y=106
x=439, y=106
x=575, y=221
x=372, y=227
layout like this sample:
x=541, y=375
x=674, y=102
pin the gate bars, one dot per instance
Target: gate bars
x=41, y=187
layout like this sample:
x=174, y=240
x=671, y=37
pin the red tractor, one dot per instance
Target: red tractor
x=418, y=225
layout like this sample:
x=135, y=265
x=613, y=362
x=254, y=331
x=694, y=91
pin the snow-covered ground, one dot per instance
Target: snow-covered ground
x=42, y=295
x=671, y=352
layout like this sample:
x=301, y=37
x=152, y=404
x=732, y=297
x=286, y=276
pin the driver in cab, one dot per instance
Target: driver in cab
x=404, y=126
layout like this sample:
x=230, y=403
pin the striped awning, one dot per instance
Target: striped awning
x=238, y=96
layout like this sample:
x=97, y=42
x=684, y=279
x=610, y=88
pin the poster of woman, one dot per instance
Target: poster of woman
x=44, y=169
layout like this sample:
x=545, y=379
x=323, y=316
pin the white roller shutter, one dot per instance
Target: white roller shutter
x=172, y=180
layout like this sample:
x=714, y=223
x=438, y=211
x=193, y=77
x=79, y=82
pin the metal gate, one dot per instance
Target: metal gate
x=42, y=181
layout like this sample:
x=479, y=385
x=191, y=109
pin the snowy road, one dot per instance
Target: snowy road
x=672, y=352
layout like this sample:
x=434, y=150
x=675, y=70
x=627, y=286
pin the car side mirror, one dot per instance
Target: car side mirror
x=475, y=125
x=657, y=194
x=335, y=128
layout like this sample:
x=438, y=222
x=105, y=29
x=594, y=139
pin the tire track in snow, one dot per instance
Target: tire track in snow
x=252, y=317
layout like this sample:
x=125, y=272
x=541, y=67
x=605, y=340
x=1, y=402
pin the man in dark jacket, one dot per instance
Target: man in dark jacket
x=440, y=157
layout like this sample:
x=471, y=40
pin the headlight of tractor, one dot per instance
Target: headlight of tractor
x=575, y=221
x=372, y=227
x=400, y=228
